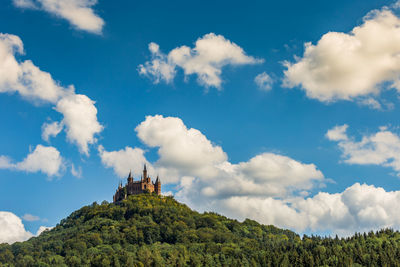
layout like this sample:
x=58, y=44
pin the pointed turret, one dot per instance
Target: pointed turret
x=130, y=178
x=144, y=172
x=157, y=186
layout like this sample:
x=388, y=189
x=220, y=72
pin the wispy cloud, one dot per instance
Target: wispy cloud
x=79, y=13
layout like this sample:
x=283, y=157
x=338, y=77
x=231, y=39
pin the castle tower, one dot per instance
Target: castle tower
x=145, y=172
x=130, y=178
x=157, y=186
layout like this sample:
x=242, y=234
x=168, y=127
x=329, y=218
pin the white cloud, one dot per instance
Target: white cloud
x=358, y=208
x=5, y=162
x=43, y=159
x=12, y=229
x=80, y=120
x=188, y=153
x=269, y=188
x=210, y=54
x=77, y=172
x=381, y=148
x=42, y=229
x=371, y=102
x=25, y=4
x=30, y=218
x=158, y=68
x=124, y=160
x=51, y=130
x=78, y=12
x=79, y=111
x=348, y=66
x=264, y=81
x=396, y=5
x=181, y=149
x=25, y=78
x=337, y=133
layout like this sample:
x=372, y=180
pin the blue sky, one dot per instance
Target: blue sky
x=208, y=121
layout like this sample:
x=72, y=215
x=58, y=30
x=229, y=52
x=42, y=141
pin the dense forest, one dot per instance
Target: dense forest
x=149, y=230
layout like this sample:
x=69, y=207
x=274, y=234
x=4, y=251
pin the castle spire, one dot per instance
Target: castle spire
x=130, y=178
x=145, y=172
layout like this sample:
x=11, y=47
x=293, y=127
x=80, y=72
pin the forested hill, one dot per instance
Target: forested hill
x=149, y=230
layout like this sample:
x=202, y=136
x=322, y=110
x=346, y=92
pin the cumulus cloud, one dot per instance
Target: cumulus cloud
x=79, y=111
x=358, y=208
x=80, y=120
x=43, y=159
x=203, y=171
x=51, y=130
x=180, y=149
x=13, y=230
x=24, y=77
x=206, y=59
x=125, y=160
x=270, y=188
x=158, y=68
x=186, y=152
x=337, y=133
x=264, y=81
x=79, y=13
x=351, y=66
x=381, y=148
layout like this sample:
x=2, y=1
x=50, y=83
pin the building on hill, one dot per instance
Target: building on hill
x=137, y=187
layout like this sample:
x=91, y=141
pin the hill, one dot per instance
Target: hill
x=149, y=230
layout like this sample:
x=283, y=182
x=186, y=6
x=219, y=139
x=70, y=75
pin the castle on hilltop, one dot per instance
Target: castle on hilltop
x=145, y=185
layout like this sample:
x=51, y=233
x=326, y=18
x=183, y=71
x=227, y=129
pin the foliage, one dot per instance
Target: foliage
x=150, y=230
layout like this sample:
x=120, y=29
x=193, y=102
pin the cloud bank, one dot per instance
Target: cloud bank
x=270, y=188
x=358, y=208
x=206, y=59
x=79, y=13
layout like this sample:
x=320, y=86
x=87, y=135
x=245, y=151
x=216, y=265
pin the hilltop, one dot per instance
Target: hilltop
x=151, y=230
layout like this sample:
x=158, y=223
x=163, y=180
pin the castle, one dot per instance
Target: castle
x=137, y=187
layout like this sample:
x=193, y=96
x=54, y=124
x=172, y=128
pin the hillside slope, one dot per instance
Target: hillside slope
x=156, y=231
